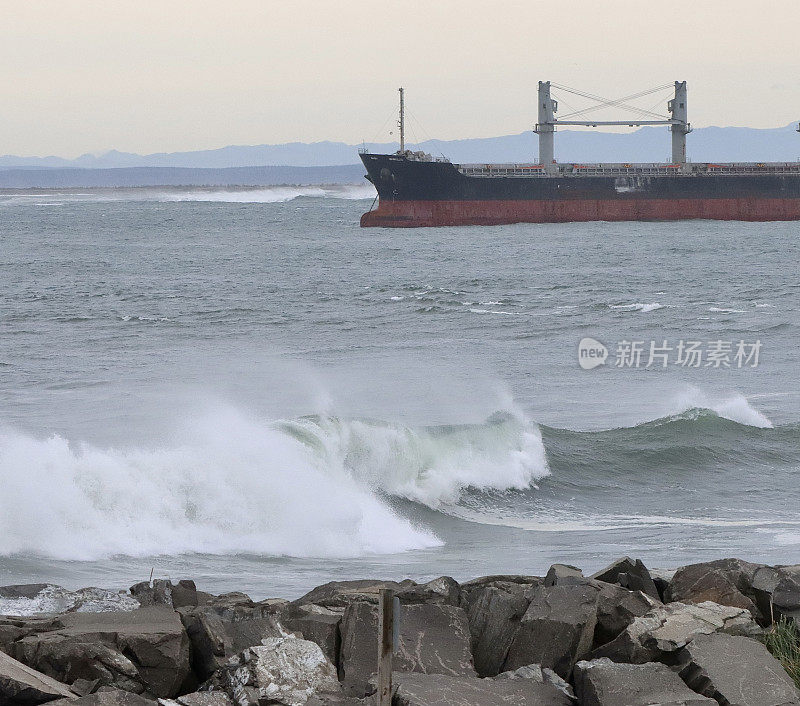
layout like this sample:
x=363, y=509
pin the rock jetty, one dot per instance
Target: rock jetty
x=624, y=636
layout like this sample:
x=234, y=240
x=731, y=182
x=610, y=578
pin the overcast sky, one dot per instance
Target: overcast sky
x=168, y=75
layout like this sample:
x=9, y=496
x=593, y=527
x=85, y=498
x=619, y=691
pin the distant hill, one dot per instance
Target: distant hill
x=647, y=144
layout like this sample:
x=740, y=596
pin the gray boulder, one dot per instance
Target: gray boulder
x=736, y=670
x=629, y=574
x=434, y=639
x=601, y=682
x=284, y=670
x=786, y=594
x=557, y=629
x=199, y=698
x=482, y=582
x=665, y=629
x=315, y=623
x=19, y=684
x=617, y=608
x=725, y=581
x=106, y=697
x=446, y=690
x=224, y=626
x=535, y=672
x=441, y=590
x=13, y=628
x=24, y=590
x=339, y=700
x=558, y=572
x=337, y=595
x=494, y=611
x=164, y=592
x=144, y=650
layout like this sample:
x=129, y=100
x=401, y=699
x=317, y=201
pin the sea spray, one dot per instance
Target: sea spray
x=232, y=484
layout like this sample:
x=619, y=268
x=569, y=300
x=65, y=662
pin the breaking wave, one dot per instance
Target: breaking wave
x=217, y=194
x=234, y=484
x=734, y=407
x=272, y=194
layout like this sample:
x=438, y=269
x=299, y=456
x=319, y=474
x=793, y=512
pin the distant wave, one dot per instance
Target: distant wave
x=272, y=194
x=219, y=194
x=638, y=306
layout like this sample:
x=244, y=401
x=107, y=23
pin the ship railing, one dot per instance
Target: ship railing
x=528, y=170
x=623, y=168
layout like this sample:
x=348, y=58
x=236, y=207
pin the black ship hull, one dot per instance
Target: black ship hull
x=432, y=193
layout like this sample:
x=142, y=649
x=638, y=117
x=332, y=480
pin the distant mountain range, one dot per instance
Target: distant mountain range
x=266, y=163
x=54, y=177
x=646, y=144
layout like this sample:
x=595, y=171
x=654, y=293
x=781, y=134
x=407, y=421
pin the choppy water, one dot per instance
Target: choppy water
x=243, y=387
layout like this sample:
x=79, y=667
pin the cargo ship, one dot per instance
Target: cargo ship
x=416, y=190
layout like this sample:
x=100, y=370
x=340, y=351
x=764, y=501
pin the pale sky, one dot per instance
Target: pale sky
x=171, y=75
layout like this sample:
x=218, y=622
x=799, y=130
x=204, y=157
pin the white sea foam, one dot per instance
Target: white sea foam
x=722, y=310
x=231, y=483
x=55, y=599
x=638, y=306
x=496, y=311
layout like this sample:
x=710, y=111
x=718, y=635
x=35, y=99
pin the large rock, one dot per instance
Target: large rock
x=725, y=581
x=163, y=592
x=557, y=629
x=200, y=698
x=445, y=690
x=340, y=594
x=557, y=573
x=19, y=684
x=13, y=628
x=224, y=626
x=144, y=650
x=535, y=672
x=494, y=611
x=660, y=633
x=284, y=670
x=736, y=670
x=434, y=639
x=617, y=608
x=106, y=697
x=786, y=594
x=482, y=582
x=315, y=623
x=629, y=574
x=601, y=682
x=339, y=700
x=441, y=590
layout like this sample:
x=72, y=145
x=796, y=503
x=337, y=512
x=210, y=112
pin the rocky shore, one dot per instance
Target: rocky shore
x=625, y=636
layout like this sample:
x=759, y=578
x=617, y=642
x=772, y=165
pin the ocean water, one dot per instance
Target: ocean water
x=243, y=387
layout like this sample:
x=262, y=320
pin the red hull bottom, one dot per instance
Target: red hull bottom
x=411, y=214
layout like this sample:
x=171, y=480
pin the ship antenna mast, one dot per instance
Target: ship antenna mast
x=402, y=122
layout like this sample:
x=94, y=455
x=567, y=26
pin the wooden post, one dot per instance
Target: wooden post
x=385, y=646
